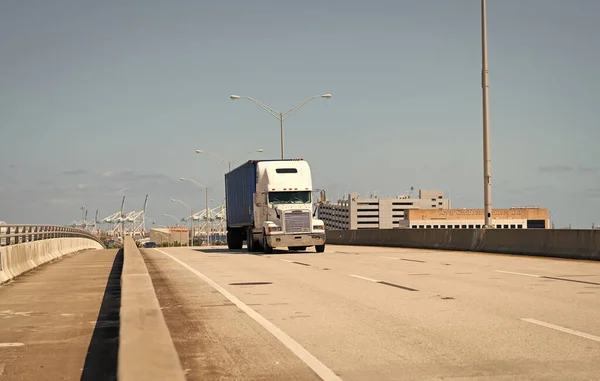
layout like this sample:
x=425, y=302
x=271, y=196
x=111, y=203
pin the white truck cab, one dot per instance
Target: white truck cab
x=284, y=208
x=281, y=210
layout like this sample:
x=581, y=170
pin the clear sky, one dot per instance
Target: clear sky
x=102, y=99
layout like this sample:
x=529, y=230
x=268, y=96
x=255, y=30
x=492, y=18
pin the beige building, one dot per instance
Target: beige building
x=512, y=218
x=377, y=213
x=170, y=235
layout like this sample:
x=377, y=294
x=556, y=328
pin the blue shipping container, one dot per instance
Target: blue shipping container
x=240, y=185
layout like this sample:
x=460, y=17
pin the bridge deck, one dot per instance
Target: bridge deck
x=368, y=313
x=60, y=321
x=213, y=338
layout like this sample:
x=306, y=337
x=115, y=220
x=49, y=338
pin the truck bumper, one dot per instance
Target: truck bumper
x=287, y=240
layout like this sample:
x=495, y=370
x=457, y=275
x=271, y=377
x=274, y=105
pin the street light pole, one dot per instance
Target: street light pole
x=281, y=115
x=83, y=210
x=281, y=132
x=225, y=161
x=487, y=177
x=173, y=217
x=123, y=223
x=191, y=218
x=206, y=211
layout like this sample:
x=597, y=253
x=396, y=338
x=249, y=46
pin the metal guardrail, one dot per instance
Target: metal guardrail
x=15, y=234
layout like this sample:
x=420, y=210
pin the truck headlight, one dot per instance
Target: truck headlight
x=274, y=228
x=318, y=227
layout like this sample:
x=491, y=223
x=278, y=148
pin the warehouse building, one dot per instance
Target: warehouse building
x=170, y=235
x=377, y=213
x=512, y=218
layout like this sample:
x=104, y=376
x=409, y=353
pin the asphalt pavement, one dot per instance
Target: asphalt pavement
x=373, y=313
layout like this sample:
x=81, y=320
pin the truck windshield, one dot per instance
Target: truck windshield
x=293, y=197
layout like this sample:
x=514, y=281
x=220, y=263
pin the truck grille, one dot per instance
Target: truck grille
x=297, y=222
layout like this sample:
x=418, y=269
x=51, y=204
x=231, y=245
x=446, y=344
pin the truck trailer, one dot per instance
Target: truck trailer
x=269, y=205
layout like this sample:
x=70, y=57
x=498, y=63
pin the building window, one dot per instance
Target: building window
x=442, y=226
x=519, y=226
x=505, y=226
x=513, y=226
x=456, y=226
x=435, y=226
x=478, y=226
x=428, y=226
x=449, y=226
x=421, y=226
x=470, y=226
x=499, y=226
x=536, y=224
x=414, y=226
x=464, y=226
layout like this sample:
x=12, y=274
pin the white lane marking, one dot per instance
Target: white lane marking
x=11, y=312
x=11, y=345
x=317, y=366
x=285, y=260
x=362, y=277
x=510, y=272
x=390, y=257
x=563, y=329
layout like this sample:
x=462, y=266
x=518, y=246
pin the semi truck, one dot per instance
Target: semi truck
x=269, y=205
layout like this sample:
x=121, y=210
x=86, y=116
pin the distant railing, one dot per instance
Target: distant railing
x=15, y=234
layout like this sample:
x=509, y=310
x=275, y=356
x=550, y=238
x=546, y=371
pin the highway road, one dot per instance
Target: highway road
x=373, y=313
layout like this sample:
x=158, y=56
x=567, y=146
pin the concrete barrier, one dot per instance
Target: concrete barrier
x=146, y=349
x=21, y=258
x=559, y=243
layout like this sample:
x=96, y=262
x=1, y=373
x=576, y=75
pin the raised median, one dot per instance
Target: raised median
x=558, y=243
x=146, y=350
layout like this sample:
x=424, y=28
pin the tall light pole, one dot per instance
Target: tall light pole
x=122, y=220
x=191, y=218
x=173, y=217
x=225, y=161
x=487, y=176
x=83, y=212
x=281, y=116
x=206, y=193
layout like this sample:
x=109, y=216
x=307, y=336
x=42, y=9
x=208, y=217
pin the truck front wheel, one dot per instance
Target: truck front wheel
x=320, y=248
x=266, y=248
